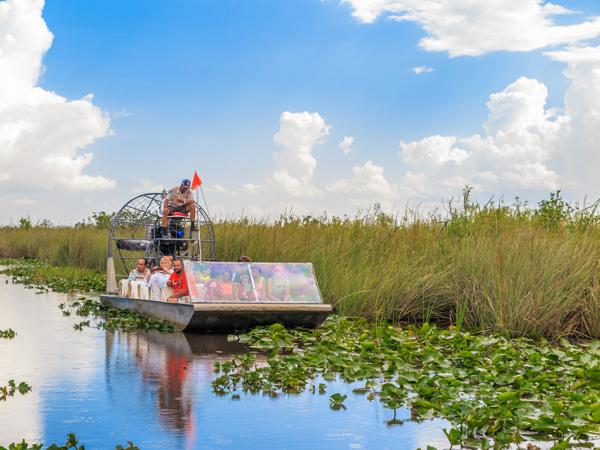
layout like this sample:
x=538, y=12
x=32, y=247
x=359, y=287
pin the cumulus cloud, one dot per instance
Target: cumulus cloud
x=252, y=188
x=144, y=186
x=346, y=145
x=422, y=69
x=521, y=138
x=473, y=27
x=367, y=181
x=295, y=163
x=218, y=188
x=41, y=132
x=580, y=159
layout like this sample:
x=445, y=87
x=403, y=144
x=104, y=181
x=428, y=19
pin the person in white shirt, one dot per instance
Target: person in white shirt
x=135, y=284
x=159, y=276
x=140, y=272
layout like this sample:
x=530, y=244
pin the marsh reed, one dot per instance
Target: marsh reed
x=492, y=268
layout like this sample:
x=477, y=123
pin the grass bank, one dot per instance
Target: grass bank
x=495, y=268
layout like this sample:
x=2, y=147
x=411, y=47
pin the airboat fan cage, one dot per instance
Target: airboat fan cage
x=136, y=232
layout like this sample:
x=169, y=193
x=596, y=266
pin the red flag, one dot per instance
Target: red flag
x=196, y=181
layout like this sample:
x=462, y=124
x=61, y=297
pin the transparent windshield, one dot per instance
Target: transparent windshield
x=252, y=282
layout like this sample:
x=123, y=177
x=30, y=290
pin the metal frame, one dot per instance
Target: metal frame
x=144, y=212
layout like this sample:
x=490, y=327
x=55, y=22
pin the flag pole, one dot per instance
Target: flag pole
x=205, y=204
x=199, y=235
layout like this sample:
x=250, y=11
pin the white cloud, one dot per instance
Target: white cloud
x=580, y=156
x=521, y=138
x=346, y=145
x=25, y=201
x=41, y=133
x=422, y=69
x=295, y=163
x=144, y=186
x=367, y=181
x=217, y=188
x=252, y=188
x=122, y=113
x=475, y=27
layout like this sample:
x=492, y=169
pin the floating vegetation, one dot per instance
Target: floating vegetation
x=72, y=443
x=10, y=389
x=42, y=276
x=104, y=317
x=7, y=334
x=494, y=390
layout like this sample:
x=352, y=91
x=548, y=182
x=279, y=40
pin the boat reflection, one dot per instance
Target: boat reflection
x=172, y=369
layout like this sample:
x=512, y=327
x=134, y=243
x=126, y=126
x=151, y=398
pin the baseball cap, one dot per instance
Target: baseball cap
x=186, y=182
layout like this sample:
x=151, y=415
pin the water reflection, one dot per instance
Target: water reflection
x=155, y=390
x=165, y=362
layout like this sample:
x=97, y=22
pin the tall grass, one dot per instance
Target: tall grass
x=532, y=272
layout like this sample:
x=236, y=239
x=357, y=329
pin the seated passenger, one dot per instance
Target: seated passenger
x=135, y=284
x=178, y=282
x=179, y=200
x=245, y=290
x=140, y=272
x=259, y=283
x=278, y=286
x=159, y=276
x=222, y=289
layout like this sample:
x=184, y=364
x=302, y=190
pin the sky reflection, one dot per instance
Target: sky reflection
x=155, y=390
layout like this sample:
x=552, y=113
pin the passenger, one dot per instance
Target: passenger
x=222, y=289
x=259, y=283
x=135, y=284
x=159, y=276
x=179, y=199
x=245, y=291
x=178, y=282
x=140, y=272
x=278, y=286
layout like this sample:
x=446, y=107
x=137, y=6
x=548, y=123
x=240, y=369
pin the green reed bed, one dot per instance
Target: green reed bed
x=493, y=268
x=83, y=247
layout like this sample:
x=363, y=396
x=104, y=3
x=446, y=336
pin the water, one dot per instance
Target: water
x=155, y=390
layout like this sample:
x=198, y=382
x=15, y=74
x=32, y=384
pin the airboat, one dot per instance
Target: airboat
x=223, y=296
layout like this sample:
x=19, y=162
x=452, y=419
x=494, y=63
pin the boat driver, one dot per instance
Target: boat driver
x=179, y=200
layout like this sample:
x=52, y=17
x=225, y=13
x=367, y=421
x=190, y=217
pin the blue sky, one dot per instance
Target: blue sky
x=202, y=84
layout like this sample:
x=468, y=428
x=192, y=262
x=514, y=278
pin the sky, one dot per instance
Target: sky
x=297, y=105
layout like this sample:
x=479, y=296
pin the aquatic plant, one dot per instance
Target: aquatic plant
x=104, y=317
x=7, y=334
x=72, y=443
x=494, y=390
x=11, y=388
x=42, y=276
x=336, y=401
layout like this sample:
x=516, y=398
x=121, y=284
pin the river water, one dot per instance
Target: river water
x=155, y=390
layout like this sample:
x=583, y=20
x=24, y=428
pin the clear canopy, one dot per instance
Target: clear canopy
x=252, y=282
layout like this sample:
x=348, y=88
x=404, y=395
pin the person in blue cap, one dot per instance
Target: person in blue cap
x=179, y=200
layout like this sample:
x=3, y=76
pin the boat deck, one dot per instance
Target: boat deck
x=224, y=316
